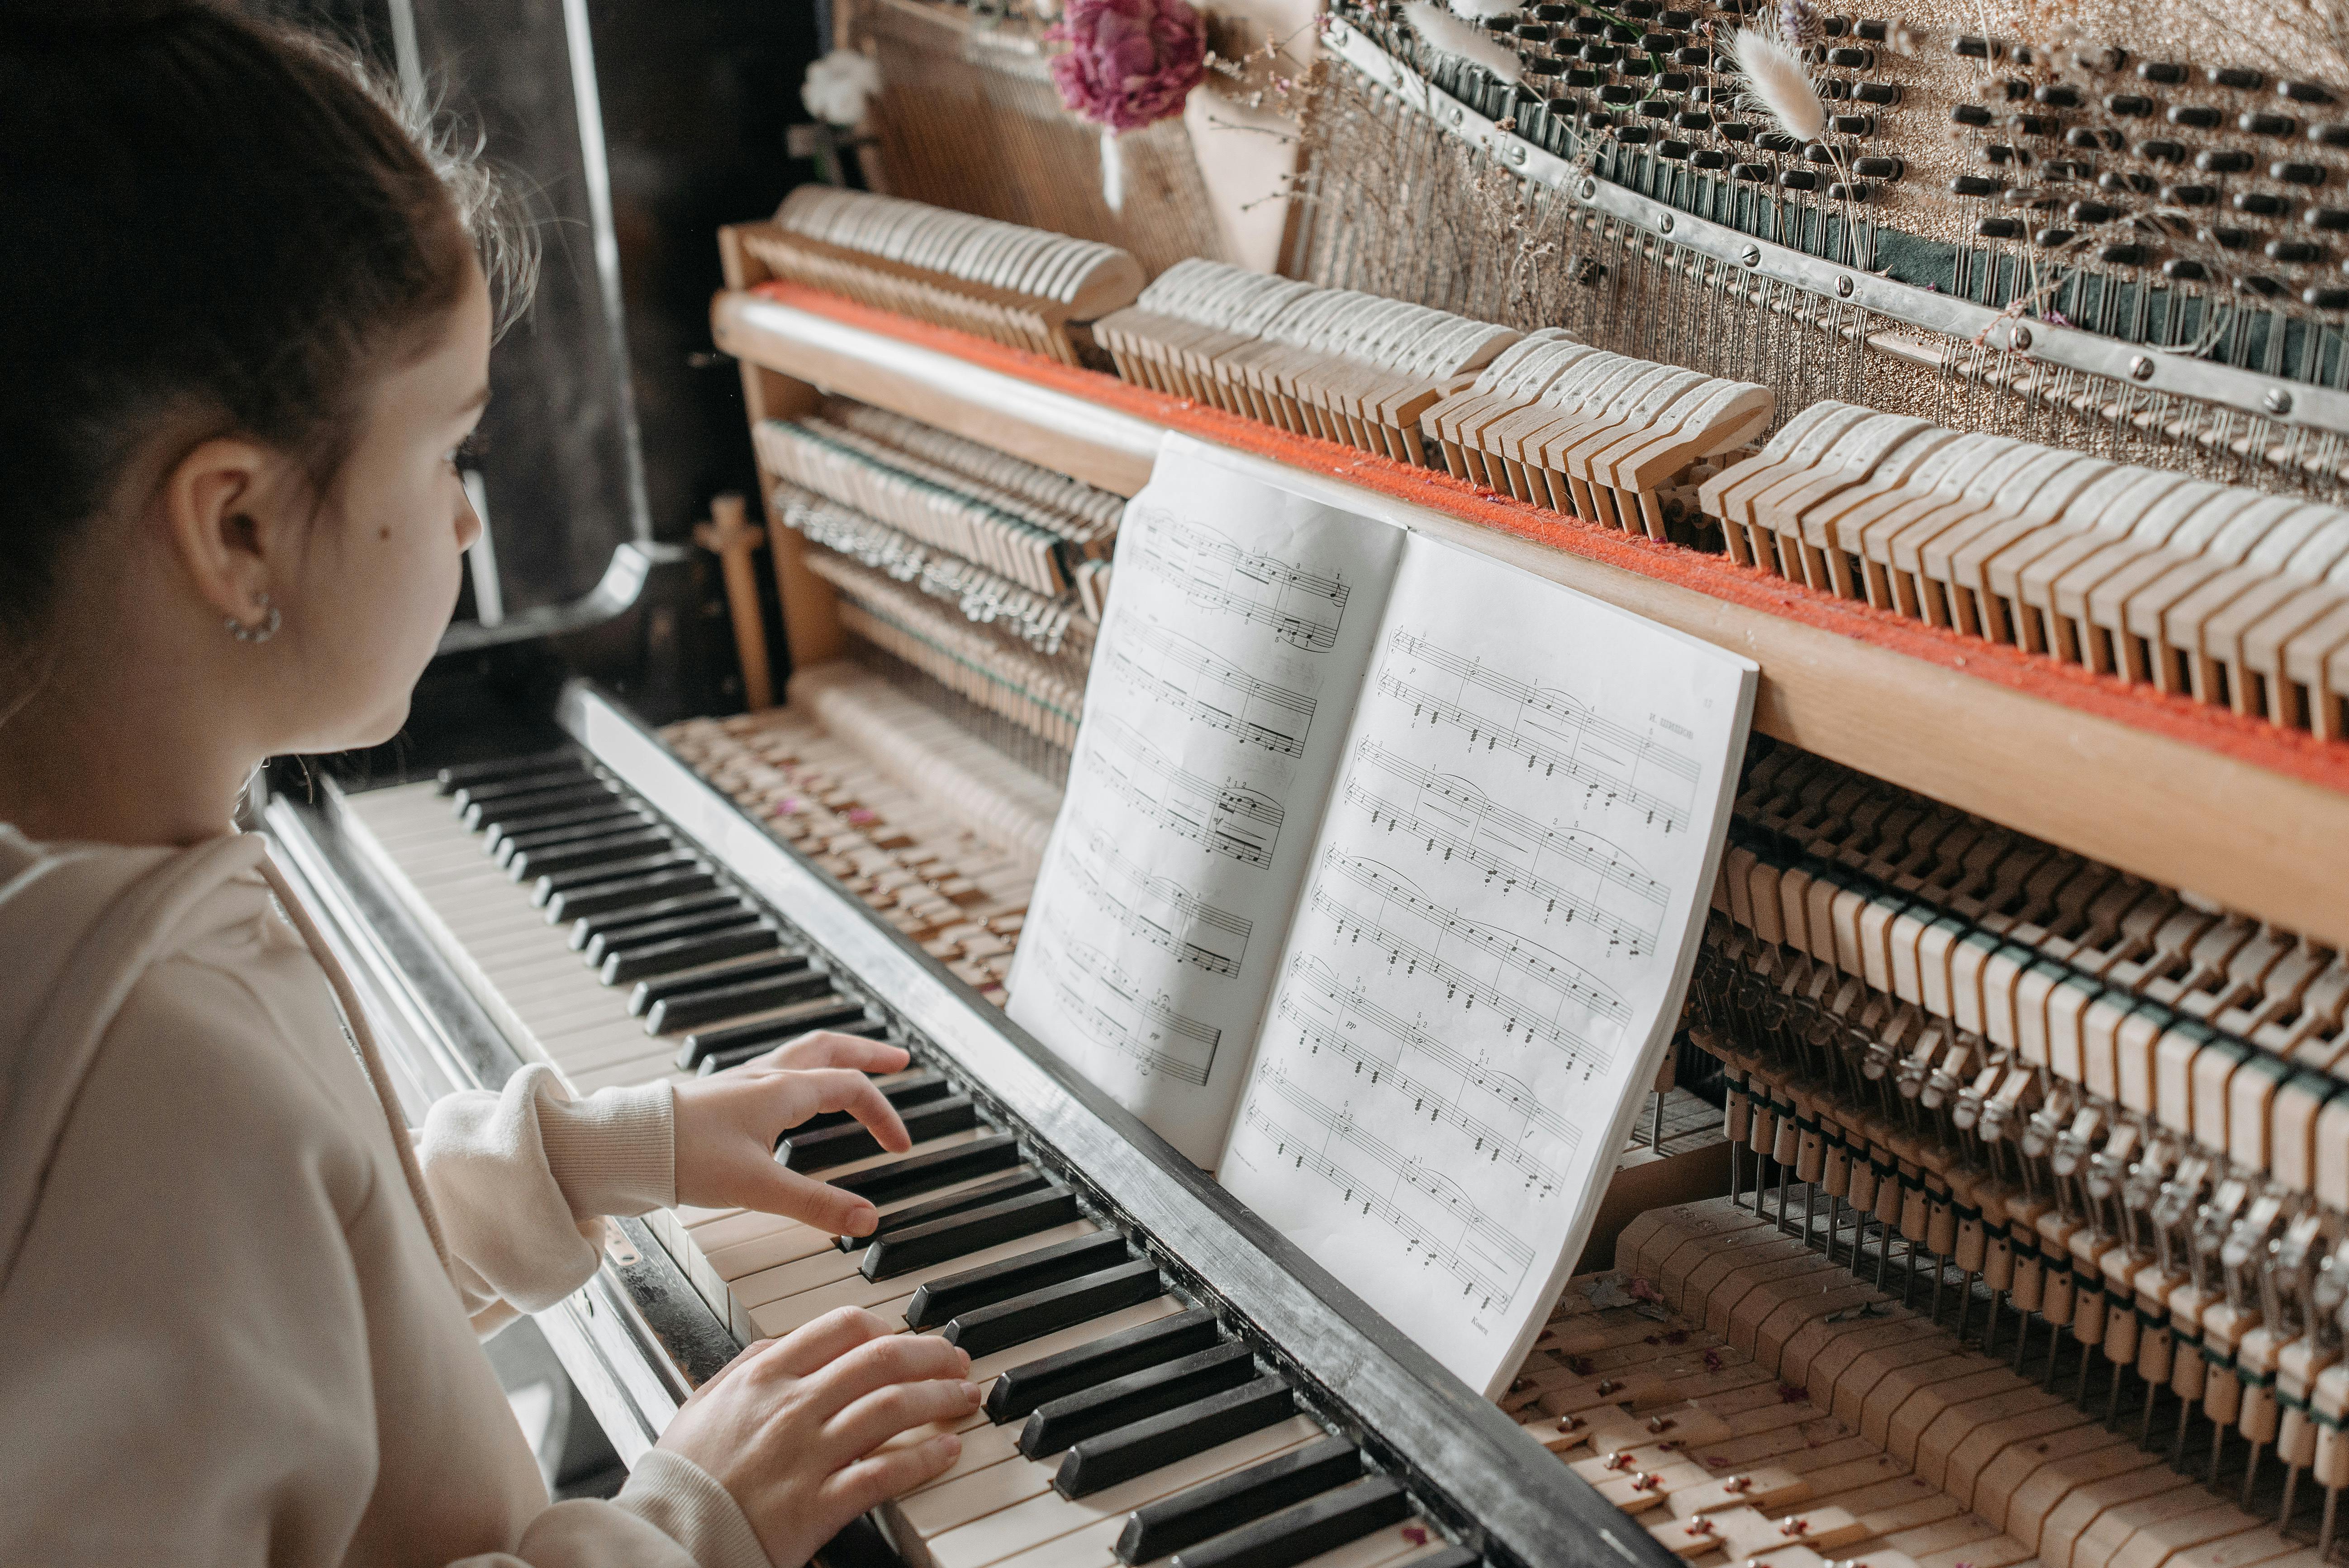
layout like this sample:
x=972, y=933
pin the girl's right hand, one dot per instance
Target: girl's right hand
x=790, y=1427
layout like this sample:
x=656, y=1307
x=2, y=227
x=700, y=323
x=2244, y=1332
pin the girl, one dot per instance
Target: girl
x=245, y=323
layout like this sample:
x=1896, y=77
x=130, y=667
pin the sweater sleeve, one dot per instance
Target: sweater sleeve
x=523, y=1178
x=669, y=1503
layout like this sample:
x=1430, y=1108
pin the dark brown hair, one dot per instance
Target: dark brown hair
x=208, y=225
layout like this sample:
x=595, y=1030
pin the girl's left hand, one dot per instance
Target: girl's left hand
x=727, y=1124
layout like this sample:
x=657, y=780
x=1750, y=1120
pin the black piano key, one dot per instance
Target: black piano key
x=936, y=1242
x=929, y=1171
x=1305, y=1529
x=556, y=774
x=905, y=1094
x=1231, y=1501
x=586, y=791
x=1023, y=1388
x=850, y=1020
x=778, y=966
x=740, y=1000
x=826, y=1147
x=602, y=898
x=464, y=775
x=1011, y=1185
x=627, y=844
x=943, y=1300
x=737, y=1043
x=507, y=837
x=990, y=1329
x=582, y=877
x=1193, y=1428
x=633, y=962
x=1121, y=1401
x=719, y=914
x=584, y=931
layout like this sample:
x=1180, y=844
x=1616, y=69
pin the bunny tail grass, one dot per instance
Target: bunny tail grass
x=1447, y=32
x=1777, y=83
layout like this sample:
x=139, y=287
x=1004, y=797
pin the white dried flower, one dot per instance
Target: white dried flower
x=1447, y=32
x=840, y=86
x=1486, y=10
x=1777, y=83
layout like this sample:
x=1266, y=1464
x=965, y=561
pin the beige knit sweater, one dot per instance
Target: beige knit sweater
x=225, y=1333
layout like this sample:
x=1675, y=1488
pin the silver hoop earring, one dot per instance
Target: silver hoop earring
x=260, y=634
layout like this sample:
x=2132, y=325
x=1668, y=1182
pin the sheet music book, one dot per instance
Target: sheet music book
x=1378, y=883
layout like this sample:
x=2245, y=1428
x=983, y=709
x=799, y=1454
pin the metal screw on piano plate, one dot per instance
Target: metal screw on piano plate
x=1665, y=226
x=1454, y=116
x=1844, y=285
x=2020, y=339
x=2278, y=402
x=1750, y=256
x=1589, y=190
x=2141, y=367
x=1513, y=151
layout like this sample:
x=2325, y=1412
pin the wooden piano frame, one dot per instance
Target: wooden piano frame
x=2230, y=809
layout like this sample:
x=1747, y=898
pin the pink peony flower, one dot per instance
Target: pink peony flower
x=1129, y=63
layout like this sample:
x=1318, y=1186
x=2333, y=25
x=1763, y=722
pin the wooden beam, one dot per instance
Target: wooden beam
x=2255, y=839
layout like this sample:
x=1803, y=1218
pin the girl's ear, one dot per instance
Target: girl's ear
x=232, y=514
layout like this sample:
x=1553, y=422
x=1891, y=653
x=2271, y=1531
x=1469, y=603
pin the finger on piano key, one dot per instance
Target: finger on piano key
x=1003, y=1535
x=1057, y=1425
x=1240, y=1497
x=966, y=1196
x=1053, y=1374
x=824, y=1148
x=1116, y=1456
x=986, y=1442
x=767, y=1241
x=990, y=1280
x=886, y=1179
x=1040, y=1312
x=1304, y=1530
x=903, y=1089
x=775, y=1315
x=937, y=1241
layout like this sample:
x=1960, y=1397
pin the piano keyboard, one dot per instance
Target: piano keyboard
x=1125, y=1422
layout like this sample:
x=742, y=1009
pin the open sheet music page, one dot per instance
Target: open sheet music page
x=1222, y=682
x=1488, y=955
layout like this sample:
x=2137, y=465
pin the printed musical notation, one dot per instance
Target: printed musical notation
x=1551, y=729
x=1185, y=677
x=1106, y=1000
x=1490, y=1142
x=1489, y=1261
x=1507, y=846
x=1302, y=608
x=1230, y=818
x=1513, y=1095
x=1550, y=971
x=1157, y=909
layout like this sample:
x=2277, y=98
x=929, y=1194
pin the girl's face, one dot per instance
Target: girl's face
x=380, y=574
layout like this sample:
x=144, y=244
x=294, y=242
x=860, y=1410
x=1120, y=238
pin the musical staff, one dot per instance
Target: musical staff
x=1484, y=1270
x=1230, y=818
x=1212, y=690
x=1157, y=909
x=1490, y=1142
x=1108, y=1002
x=1301, y=608
x=1552, y=732
x=1552, y=972
x=1513, y=1093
